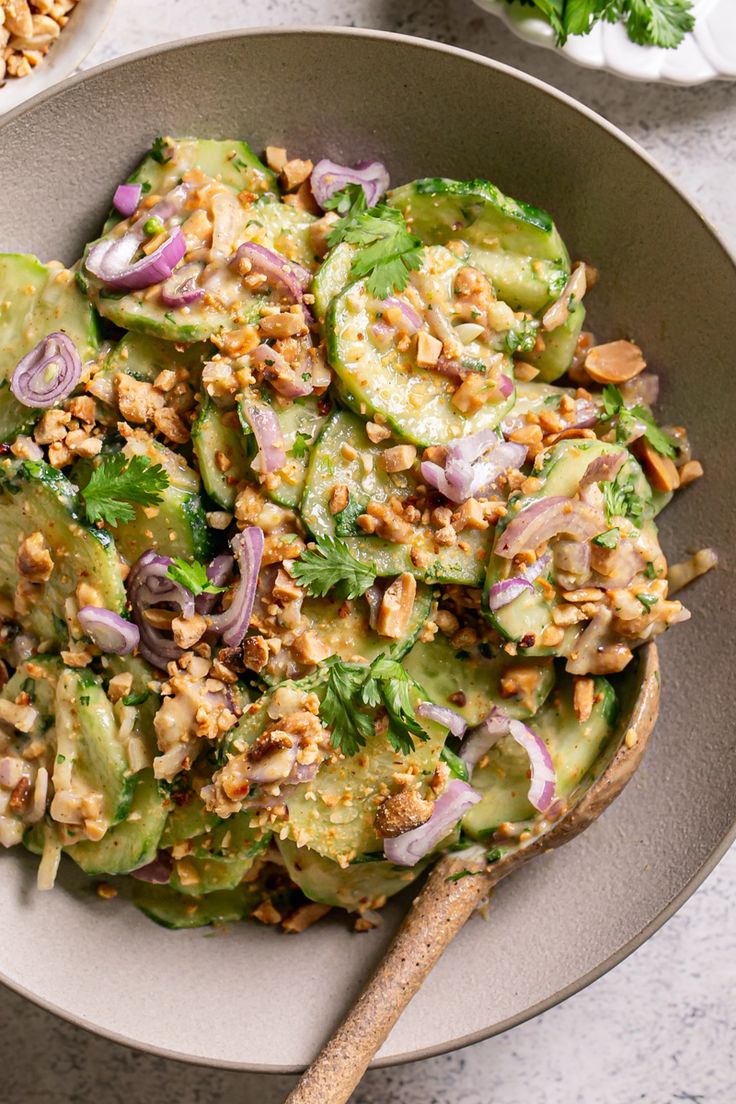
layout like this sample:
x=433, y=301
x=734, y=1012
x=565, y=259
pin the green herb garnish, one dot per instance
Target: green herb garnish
x=354, y=687
x=332, y=566
x=609, y=539
x=648, y=22
x=193, y=576
x=117, y=483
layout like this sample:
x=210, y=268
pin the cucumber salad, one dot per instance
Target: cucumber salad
x=326, y=532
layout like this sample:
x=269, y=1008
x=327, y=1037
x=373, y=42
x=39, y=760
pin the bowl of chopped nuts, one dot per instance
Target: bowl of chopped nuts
x=43, y=41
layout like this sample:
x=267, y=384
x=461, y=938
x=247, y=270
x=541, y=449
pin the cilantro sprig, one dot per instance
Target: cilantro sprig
x=627, y=417
x=332, y=566
x=387, y=252
x=354, y=691
x=648, y=22
x=193, y=576
x=118, y=483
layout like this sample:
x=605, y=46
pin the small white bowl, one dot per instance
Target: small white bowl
x=707, y=53
x=86, y=23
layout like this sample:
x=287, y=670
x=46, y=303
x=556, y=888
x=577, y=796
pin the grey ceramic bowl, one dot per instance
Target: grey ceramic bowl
x=252, y=998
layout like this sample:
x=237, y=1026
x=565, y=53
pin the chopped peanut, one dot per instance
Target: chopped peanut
x=614, y=362
x=376, y=433
x=295, y=172
x=396, y=607
x=399, y=458
x=401, y=812
x=429, y=350
x=339, y=497
x=690, y=471
x=582, y=697
x=661, y=471
x=33, y=559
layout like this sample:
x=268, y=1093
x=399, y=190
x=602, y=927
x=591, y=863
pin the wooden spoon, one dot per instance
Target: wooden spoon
x=444, y=904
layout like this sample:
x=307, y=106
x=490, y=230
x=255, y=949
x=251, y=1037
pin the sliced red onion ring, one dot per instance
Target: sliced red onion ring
x=483, y=736
x=233, y=624
x=285, y=378
x=449, y=808
x=126, y=198
x=267, y=431
x=49, y=373
x=157, y=872
x=111, y=261
x=109, y=630
x=281, y=273
x=587, y=413
x=411, y=318
x=505, y=591
x=505, y=385
x=444, y=716
x=498, y=724
x=547, y=518
x=542, y=790
x=642, y=389
x=181, y=288
x=328, y=177
x=148, y=584
x=469, y=470
x=604, y=468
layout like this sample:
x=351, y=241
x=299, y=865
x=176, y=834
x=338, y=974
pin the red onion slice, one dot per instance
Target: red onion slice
x=219, y=573
x=449, y=808
x=157, y=872
x=181, y=288
x=470, y=471
x=267, y=431
x=110, y=261
x=542, y=789
x=126, y=198
x=328, y=177
x=285, y=378
x=48, y=373
x=547, y=518
x=148, y=584
x=505, y=591
x=281, y=274
x=604, y=468
x=233, y=624
x=108, y=630
x=411, y=319
x=444, y=716
x=483, y=736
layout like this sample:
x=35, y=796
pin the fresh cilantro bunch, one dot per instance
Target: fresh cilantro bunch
x=386, y=252
x=332, y=566
x=648, y=22
x=627, y=417
x=354, y=691
x=117, y=483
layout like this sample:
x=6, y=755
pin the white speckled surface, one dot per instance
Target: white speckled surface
x=661, y=1028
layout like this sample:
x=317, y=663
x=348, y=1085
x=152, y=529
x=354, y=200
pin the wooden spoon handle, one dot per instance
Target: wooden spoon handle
x=434, y=919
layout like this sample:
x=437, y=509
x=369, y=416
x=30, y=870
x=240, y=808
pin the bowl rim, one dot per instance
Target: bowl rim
x=729, y=836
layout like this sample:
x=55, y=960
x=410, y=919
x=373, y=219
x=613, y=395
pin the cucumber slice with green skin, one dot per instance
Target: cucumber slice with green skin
x=300, y=423
x=218, y=431
x=34, y=494
x=333, y=276
x=333, y=814
x=144, y=700
x=221, y=857
x=415, y=402
x=530, y=614
x=196, y=877
x=186, y=821
x=516, y=245
x=37, y=678
x=366, y=479
x=231, y=161
x=278, y=226
x=361, y=885
x=574, y=747
x=441, y=671
x=90, y=757
x=559, y=346
x=144, y=358
x=533, y=396
x=179, y=526
x=176, y=910
x=36, y=300
x=132, y=843
x=344, y=627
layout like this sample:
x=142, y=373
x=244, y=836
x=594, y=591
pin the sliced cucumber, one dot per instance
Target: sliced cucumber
x=176, y=910
x=187, y=820
x=516, y=245
x=533, y=396
x=415, y=402
x=217, y=434
x=300, y=423
x=144, y=700
x=145, y=357
x=574, y=747
x=282, y=227
x=334, y=813
x=36, y=300
x=333, y=276
x=441, y=671
x=526, y=618
x=34, y=495
x=361, y=885
x=344, y=435
x=559, y=346
x=344, y=627
x=132, y=843
x=90, y=757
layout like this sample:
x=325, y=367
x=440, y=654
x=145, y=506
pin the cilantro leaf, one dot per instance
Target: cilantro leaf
x=659, y=22
x=609, y=539
x=346, y=520
x=161, y=150
x=522, y=338
x=117, y=483
x=622, y=500
x=331, y=566
x=300, y=448
x=659, y=440
x=647, y=600
x=613, y=400
x=350, y=727
x=193, y=576
x=387, y=252
x=350, y=204
x=614, y=406
x=394, y=688
x=136, y=699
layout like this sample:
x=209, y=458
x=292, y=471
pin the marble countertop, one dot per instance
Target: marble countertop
x=660, y=1028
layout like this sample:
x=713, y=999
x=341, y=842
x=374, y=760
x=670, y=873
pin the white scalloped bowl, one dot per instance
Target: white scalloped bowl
x=86, y=23
x=708, y=53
